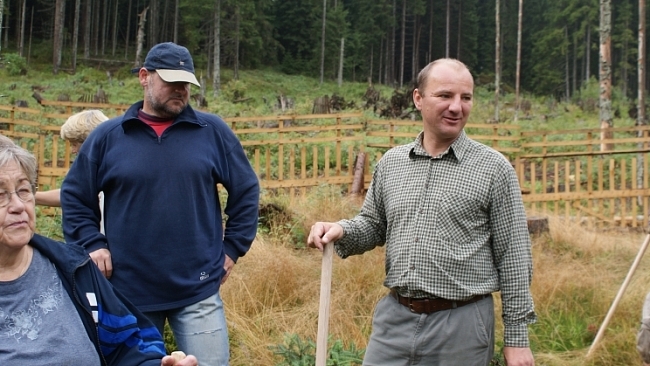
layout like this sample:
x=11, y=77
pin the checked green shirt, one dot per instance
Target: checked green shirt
x=454, y=226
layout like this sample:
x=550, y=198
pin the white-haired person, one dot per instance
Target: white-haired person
x=56, y=307
x=75, y=130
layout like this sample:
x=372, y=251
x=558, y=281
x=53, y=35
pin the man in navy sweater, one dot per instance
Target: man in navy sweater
x=158, y=165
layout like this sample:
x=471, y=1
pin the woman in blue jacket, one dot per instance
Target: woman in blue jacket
x=56, y=308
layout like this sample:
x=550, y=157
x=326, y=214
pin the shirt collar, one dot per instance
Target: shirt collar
x=457, y=149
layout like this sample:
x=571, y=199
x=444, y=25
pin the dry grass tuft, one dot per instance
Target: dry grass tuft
x=274, y=290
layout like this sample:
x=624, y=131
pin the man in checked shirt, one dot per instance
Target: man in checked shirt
x=450, y=213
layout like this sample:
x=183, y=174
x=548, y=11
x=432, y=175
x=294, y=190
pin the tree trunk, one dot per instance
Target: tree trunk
x=216, y=63
x=460, y=28
x=153, y=23
x=115, y=13
x=381, y=50
x=128, y=32
x=447, y=30
x=6, y=20
x=140, y=39
x=57, y=46
x=75, y=34
x=497, y=63
x=17, y=18
x=403, y=46
x=372, y=56
x=391, y=80
x=96, y=28
x=176, y=12
x=518, y=67
x=23, y=16
x=322, y=43
x=31, y=28
x=105, y=27
x=164, y=26
x=574, y=74
x=588, y=54
x=430, y=54
x=624, y=65
x=87, y=22
x=566, y=65
x=605, y=73
x=341, y=57
x=236, y=68
x=2, y=7
x=640, y=120
x=415, y=55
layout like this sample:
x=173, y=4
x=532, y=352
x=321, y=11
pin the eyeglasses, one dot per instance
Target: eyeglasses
x=24, y=193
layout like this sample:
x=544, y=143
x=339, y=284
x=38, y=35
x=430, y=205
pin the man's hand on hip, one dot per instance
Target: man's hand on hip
x=102, y=258
x=228, y=266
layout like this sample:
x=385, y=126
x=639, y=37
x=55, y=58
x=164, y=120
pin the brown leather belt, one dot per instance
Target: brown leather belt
x=428, y=306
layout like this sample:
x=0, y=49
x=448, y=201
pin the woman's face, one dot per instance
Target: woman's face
x=17, y=218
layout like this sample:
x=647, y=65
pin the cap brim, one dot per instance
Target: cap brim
x=178, y=76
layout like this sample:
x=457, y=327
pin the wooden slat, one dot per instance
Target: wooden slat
x=571, y=196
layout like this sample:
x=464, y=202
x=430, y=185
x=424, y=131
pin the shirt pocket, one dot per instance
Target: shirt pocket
x=458, y=217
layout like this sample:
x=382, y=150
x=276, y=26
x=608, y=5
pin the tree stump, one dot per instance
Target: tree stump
x=537, y=225
x=357, y=182
x=321, y=105
x=38, y=97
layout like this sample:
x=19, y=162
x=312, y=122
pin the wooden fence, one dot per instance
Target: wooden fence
x=562, y=173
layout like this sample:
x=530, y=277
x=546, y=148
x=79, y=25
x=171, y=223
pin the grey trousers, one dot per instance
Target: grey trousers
x=463, y=336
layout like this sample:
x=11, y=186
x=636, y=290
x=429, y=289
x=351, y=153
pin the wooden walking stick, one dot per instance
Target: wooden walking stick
x=324, y=308
x=618, y=297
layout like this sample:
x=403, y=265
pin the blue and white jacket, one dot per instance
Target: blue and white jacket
x=120, y=333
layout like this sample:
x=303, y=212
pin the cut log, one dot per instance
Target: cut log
x=357, y=182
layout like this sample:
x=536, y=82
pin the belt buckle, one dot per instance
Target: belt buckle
x=413, y=310
x=411, y=305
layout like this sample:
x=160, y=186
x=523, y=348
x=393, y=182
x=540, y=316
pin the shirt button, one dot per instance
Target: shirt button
x=412, y=267
x=416, y=239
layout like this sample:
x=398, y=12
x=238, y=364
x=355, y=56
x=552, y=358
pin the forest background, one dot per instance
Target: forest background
x=266, y=47
x=383, y=41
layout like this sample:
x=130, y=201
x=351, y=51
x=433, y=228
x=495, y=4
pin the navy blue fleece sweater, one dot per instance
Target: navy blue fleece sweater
x=162, y=214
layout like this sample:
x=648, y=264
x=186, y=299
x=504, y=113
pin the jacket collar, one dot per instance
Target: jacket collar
x=66, y=257
x=188, y=115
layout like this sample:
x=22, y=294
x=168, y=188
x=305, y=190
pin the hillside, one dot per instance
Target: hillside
x=257, y=92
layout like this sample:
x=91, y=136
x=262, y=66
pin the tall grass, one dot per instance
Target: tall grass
x=274, y=290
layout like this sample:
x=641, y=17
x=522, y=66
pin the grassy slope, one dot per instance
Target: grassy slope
x=261, y=89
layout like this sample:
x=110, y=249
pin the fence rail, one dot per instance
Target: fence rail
x=563, y=173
